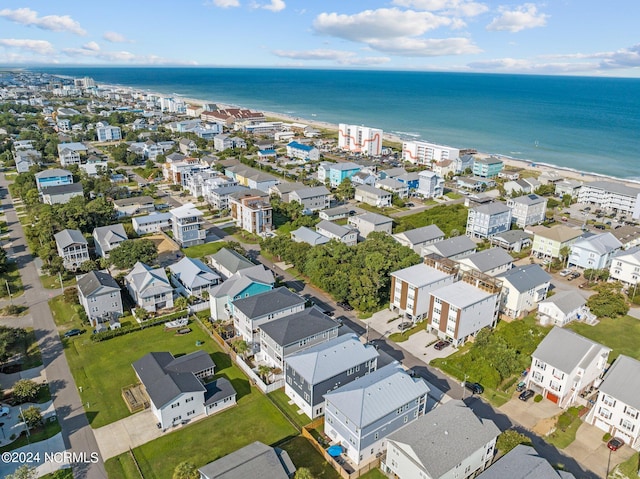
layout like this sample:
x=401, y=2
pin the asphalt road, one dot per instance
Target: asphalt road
x=78, y=435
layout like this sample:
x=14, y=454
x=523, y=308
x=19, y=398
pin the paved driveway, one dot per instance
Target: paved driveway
x=130, y=432
x=529, y=413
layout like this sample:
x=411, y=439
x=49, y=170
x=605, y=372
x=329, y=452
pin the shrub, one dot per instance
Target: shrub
x=538, y=398
x=606, y=437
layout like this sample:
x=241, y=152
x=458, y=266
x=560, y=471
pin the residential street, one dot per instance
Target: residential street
x=78, y=435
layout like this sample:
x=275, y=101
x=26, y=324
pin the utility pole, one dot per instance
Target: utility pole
x=9, y=291
x=61, y=283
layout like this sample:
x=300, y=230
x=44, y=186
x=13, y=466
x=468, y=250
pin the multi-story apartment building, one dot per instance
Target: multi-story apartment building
x=459, y=310
x=617, y=409
x=566, y=364
x=527, y=210
x=487, y=167
x=361, y=414
x=251, y=211
x=610, y=195
x=360, y=139
x=186, y=224
x=302, y=151
x=424, y=153
x=410, y=287
x=489, y=219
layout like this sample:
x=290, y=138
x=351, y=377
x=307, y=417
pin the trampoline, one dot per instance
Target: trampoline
x=335, y=451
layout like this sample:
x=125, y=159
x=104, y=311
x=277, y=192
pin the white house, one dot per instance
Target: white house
x=594, y=252
x=523, y=288
x=72, y=247
x=566, y=364
x=373, y=196
x=527, y=210
x=617, y=409
x=108, y=133
x=313, y=198
x=419, y=237
x=610, y=195
x=348, y=236
x=149, y=287
x=625, y=266
x=430, y=185
x=564, y=307
x=106, y=238
x=302, y=151
x=369, y=222
x=492, y=261
x=489, y=219
x=448, y=442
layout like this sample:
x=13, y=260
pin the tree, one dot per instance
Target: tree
x=70, y=295
x=4, y=265
x=23, y=472
x=345, y=190
x=12, y=341
x=131, y=251
x=142, y=314
x=241, y=347
x=565, y=251
x=185, y=470
x=510, y=439
x=25, y=390
x=181, y=303
x=32, y=416
x=264, y=371
x=89, y=265
x=303, y=473
x=608, y=302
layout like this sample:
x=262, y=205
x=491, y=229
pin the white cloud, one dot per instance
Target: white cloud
x=123, y=56
x=463, y=8
x=376, y=24
x=338, y=56
x=93, y=46
x=426, y=47
x=224, y=3
x=275, y=6
x=41, y=47
x=115, y=37
x=56, y=23
x=523, y=17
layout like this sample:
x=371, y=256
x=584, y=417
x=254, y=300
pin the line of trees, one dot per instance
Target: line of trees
x=357, y=274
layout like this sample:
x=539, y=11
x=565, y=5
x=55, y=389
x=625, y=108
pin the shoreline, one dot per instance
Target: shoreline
x=567, y=172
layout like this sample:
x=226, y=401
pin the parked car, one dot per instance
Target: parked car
x=4, y=411
x=329, y=313
x=526, y=395
x=346, y=306
x=615, y=443
x=574, y=275
x=73, y=332
x=403, y=326
x=600, y=227
x=521, y=386
x=475, y=388
x=440, y=345
x=565, y=272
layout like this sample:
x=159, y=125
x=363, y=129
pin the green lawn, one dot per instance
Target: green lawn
x=202, y=250
x=53, y=282
x=561, y=438
x=619, y=334
x=453, y=195
x=102, y=391
x=12, y=278
x=628, y=468
x=122, y=467
x=447, y=217
x=382, y=211
x=303, y=454
x=66, y=473
x=281, y=401
x=255, y=418
x=374, y=474
x=41, y=433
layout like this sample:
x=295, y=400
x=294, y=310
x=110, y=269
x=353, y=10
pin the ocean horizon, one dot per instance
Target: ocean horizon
x=588, y=124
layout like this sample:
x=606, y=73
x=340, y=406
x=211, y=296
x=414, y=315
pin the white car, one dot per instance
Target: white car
x=4, y=411
x=565, y=272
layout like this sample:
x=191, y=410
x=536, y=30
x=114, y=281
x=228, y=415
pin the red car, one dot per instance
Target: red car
x=615, y=443
x=440, y=345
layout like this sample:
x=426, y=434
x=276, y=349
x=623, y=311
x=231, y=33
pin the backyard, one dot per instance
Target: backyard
x=100, y=392
x=449, y=218
x=202, y=250
x=619, y=334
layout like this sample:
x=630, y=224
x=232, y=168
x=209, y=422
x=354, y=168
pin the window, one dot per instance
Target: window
x=189, y=399
x=406, y=419
x=175, y=404
x=605, y=413
x=629, y=411
x=377, y=435
x=609, y=401
x=626, y=424
x=191, y=413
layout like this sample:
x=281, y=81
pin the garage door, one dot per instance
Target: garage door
x=552, y=397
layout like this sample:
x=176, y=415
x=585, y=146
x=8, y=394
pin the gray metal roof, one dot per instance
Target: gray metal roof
x=372, y=190
x=52, y=173
x=231, y=260
x=311, y=192
x=420, y=275
x=460, y=294
x=107, y=235
x=372, y=397
x=565, y=350
x=512, y=236
x=524, y=278
x=307, y=235
x=373, y=218
x=453, y=246
x=614, y=187
x=63, y=189
x=621, y=381
x=241, y=280
x=444, y=437
x=329, y=359
x=94, y=280
x=254, y=460
x=217, y=390
x=494, y=208
x=333, y=228
x=193, y=273
x=488, y=259
x=267, y=302
x=163, y=385
x=531, y=199
x=152, y=218
x=148, y=281
x=566, y=301
x=421, y=235
x=134, y=200
x=602, y=243
x=523, y=462
x=338, y=210
x=68, y=237
x=297, y=326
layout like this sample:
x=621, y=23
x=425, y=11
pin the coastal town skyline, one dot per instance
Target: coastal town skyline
x=425, y=35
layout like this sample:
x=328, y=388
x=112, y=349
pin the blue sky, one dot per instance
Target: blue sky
x=575, y=37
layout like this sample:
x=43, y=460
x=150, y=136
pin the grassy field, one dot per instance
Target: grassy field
x=102, y=391
x=402, y=336
x=12, y=278
x=202, y=250
x=619, y=334
x=447, y=217
x=38, y=434
x=53, y=282
x=382, y=211
x=282, y=402
x=303, y=454
x=66, y=473
x=255, y=418
x=628, y=468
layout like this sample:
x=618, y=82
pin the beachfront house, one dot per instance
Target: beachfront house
x=610, y=196
x=487, y=167
x=313, y=372
x=361, y=414
x=566, y=364
x=448, y=442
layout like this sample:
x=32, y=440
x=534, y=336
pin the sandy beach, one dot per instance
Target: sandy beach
x=513, y=163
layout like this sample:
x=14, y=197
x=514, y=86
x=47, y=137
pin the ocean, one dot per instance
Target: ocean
x=589, y=124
